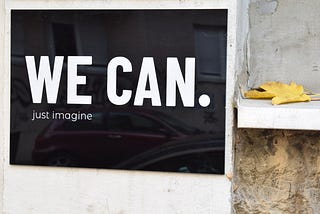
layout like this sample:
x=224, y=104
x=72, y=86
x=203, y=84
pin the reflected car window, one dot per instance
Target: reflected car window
x=177, y=124
x=131, y=122
x=97, y=123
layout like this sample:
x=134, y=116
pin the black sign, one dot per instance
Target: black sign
x=119, y=89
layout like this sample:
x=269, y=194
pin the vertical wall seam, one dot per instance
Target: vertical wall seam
x=3, y=97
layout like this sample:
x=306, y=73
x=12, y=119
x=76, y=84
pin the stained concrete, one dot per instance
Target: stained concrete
x=284, y=42
x=277, y=171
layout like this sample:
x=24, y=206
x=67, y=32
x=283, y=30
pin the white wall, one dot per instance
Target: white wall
x=4, y=100
x=53, y=190
x=30, y=189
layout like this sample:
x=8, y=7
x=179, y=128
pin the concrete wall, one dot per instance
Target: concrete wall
x=70, y=190
x=278, y=171
x=284, y=42
x=4, y=132
x=275, y=171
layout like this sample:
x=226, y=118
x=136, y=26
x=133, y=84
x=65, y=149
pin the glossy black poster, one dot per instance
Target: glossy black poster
x=119, y=89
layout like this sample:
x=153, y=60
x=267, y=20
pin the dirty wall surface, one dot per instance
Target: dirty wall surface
x=283, y=42
x=277, y=171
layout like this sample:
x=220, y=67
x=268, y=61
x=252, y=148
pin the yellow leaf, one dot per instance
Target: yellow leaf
x=281, y=89
x=287, y=99
x=279, y=92
x=255, y=94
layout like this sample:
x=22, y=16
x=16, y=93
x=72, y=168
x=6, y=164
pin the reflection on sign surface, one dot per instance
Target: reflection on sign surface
x=119, y=89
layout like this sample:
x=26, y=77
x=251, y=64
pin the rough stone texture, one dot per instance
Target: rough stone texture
x=277, y=171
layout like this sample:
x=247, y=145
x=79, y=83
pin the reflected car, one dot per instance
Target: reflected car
x=109, y=138
x=193, y=155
